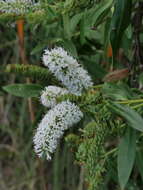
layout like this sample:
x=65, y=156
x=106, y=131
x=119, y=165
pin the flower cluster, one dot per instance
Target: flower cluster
x=65, y=114
x=53, y=125
x=67, y=70
x=49, y=95
x=18, y=7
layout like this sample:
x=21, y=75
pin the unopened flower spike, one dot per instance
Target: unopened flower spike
x=67, y=70
x=52, y=127
x=49, y=95
x=18, y=7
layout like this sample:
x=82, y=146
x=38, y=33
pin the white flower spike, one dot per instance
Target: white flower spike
x=18, y=7
x=67, y=70
x=49, y=95
x=52, y=127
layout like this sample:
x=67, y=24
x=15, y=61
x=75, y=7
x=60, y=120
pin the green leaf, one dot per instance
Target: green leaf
x=126, y=156
x=24, y=90
x=119, y=22
x=50, y=11
x=75, y=21
x=83, y=29
x=100, y=10
x=38, y=48
x=66, y=23
x=70, y=46
x=139, y=162
x=117, y=91
x=141, y=80
x=131, y=116
x=96, y=70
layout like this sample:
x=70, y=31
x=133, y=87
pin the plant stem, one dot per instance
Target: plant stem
x=110, y=152
x=137, y=106
x=20, y=31
x=130, y=101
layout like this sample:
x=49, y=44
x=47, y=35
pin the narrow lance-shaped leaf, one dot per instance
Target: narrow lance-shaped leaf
x=82, y=29
x=139, y=162
x=131, y=116
x=117, y=91
x=103, y=6
x=24, y=90
x=75, y=21
x=66, y=24
x=126, y=156
x=119, y=22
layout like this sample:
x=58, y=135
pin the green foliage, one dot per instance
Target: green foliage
x=24, y=90
x=70, y=97
x=120, y=91
x=73, y=141
x=101, y=11
x=126, y=156
x=119, y=22
x=131, y=116
x=32, y=71
x=141, y=79
x=91, y=152
x=85, y=28
x=139, y=163
x=87, y=97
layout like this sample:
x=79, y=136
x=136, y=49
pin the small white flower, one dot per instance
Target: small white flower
x=49, y=95
x=67, y=70
x=52, y=127
x=18, y=7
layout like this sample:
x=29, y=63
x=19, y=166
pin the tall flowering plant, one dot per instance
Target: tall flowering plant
x=109, y=110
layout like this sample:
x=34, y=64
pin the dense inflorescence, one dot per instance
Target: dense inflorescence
x=91, y=154
x=53, y=125
x=18, y=7
x=67, y=70
x=65, y=114
x=49, y=95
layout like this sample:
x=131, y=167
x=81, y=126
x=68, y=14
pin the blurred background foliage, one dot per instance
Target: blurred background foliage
x=88, y=29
